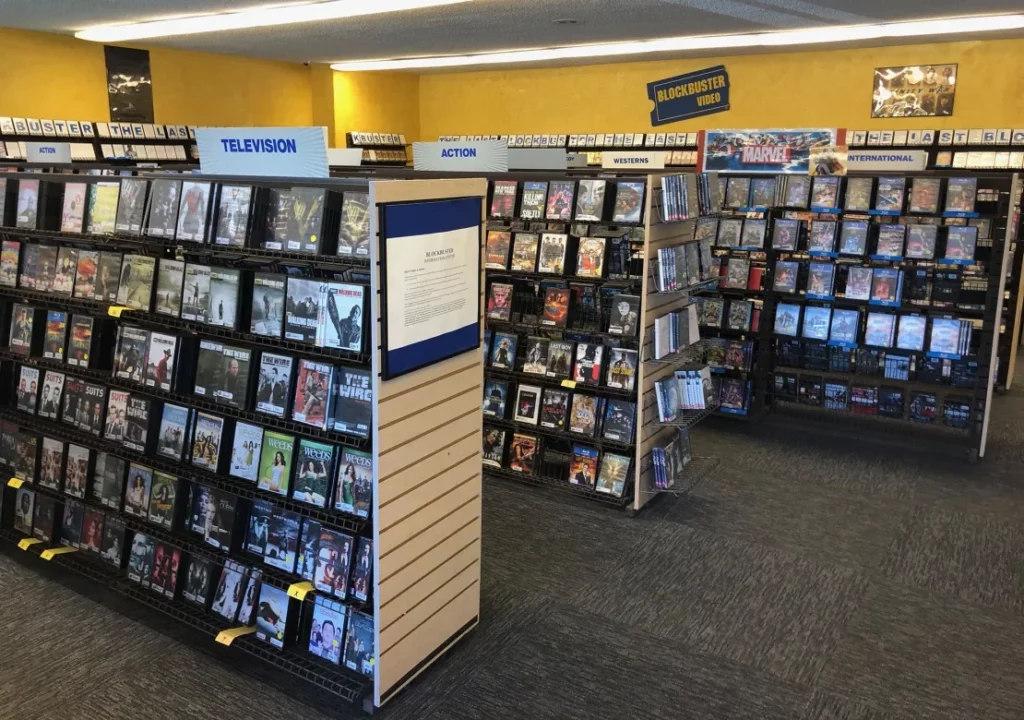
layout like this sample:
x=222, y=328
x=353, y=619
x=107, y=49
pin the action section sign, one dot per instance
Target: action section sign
x=763, y=151
x=688, y=96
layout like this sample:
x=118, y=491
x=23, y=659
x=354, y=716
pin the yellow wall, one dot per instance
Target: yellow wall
x=45, y=75
x=376, y=102
x=808, y=89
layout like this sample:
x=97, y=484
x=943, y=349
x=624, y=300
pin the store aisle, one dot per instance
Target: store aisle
x=805, y=580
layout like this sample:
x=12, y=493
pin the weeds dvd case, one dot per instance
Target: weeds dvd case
x=354, y=488
x=314, y=469
x=276, y=462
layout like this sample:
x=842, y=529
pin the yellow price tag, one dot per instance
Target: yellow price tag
x=226, y=637
x=299, y=591
x=15, y=483
x=116, y=310
x=27, y=543
x=50, y=553
x=571, y=384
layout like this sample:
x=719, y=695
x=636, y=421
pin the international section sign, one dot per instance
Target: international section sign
x=688, y=96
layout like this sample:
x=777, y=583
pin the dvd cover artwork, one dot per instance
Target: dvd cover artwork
x=354, y=489
x=613, y=474
x=890, y=194
x=622, y=367
x=353, y=399
x=117, y=422
x=535, y=196
x=924, y=195
x=250, y=596
x=360, y=654
x=880, y=329
x=272, y=615
x=44, y=516
x=825, y=192
x=341, y=327
x=858, y=194
x=109, y=477
x=90, y=408
x=162, y=500
x=354, y=231
x=327, y=631
x=961, y=243
x=196, y=301
x=50, y=397
x=911, y=332
x=498, y=244
x=493, y=447
x=785, y=276
x=822, y=237
x=560, y=358
x=524, y=252
x=28, y=203
x=229, y=591
x=560, y=200
x=921, y=240
x=85, y=274
x=798, y=191
x=131, y=205
x=259, y=526
x=103, y=207
x=174, y=426
x=56, y=335
x=160, y=360
x=199, y=581
x=24, y=509
x=816, y=322
x=845, y=325
x=787, y=319
x=80, y=346
x=137, y=490
x=737, y=192
x=135, y=287
x=629, y=202
x=729, y=233
x=753, y=233
x=536, y=356
x=164, y=577
x=22, y=321
x=554, y=409
x=820, y=280
x=30, y=272
x=233, y=215
x=499, y=301
x=333, y=562
x=589, y=358
x=313, y=471
x=853, y=238
x=73, y=210
x=51, y=464
x=961, y=194
x=583, y=466
x=890, y=241
x=552, y=253
x=223, y=307
x=590, y=201
x=163, y=208
x=619, y=420
x=276, y=462
x=76, y=472
x=302, y=310
x=112, y=546
x=209, y=430
x=590, y=257
x=170, y=276
x=858, y=283
x=26, y=456
x=130, y=360
x=268, y=301
x=503, y=201
x=71, y=529
x=193, y=211
x=9, y=261
x=282, y=540
x=274, y=386
x=221, y=523
x=40, y=267
x=583, y=416
x=313, y=394
x=107, y=275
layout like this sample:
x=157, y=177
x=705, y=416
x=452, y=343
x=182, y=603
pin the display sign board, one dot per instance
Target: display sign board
x=48, y=152
x=640, y=161
x=688, y=96
x=464, y=156
x=887, y=160
x=430, y=268
x=537, y=159
x=265, y=151
x=344, y=157
x=774, y=151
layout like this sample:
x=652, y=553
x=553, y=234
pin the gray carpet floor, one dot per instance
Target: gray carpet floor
x=805, y=579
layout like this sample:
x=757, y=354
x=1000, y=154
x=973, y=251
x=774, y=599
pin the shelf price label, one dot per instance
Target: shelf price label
x=51, y=553
x=571, y=384
x=115, y=311
x=299, y=591
x=15, y=482
x=226, y=637
x=27, y=543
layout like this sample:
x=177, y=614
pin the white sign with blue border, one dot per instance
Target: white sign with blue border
x=299, y=152
x=430, y=257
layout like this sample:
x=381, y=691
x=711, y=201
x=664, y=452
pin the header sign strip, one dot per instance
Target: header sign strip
x=470, y=156
x=639, y=161
x=688, y=96
x=775, y=151
x=267, y=152
x=48, y=152
x=887, y=160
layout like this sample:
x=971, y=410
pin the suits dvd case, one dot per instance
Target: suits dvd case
x=162, y=213
x=353, y=401
x=274, y=387
x=354, y=489
x=169, y=279
x=354, y=232
x=195, y=304
x=276, y=462
x=193, y=211
x=234, y=212
x=89, y=414
x=117, y=420
x=268, y=304
x=50, y=397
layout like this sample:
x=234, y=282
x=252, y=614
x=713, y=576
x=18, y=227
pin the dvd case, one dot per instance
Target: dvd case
x=313, y=394
x=276, y=457
x=162, y=213
x=268, y=305
x=354, y=488
x=170, y=277
x=173, y=434
x=195, y=304
x=135, y=288
x=193, y=211
x=354, y=231
x=234, y=211
x=353, y=401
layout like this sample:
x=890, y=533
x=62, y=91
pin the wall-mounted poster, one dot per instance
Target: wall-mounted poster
x=914, y=91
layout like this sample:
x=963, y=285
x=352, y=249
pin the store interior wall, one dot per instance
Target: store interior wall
x=56, y=76
x=44, y=75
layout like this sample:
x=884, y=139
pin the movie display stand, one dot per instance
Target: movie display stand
x=883, y=296
x=202, y=427
x=572, y=300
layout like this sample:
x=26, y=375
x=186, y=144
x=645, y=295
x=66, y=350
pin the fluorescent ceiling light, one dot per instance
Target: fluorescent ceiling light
x=809, y=36
x=254, y=17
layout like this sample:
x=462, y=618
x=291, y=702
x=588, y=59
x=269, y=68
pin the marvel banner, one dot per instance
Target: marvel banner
x=763, y=151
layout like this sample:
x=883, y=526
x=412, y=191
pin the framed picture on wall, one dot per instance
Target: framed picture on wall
x=914, y=91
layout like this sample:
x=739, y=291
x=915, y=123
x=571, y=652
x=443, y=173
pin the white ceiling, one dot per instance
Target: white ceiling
x=480, y=25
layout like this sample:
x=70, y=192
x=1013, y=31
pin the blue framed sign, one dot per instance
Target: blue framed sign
x=688, y=96
x=430, y=282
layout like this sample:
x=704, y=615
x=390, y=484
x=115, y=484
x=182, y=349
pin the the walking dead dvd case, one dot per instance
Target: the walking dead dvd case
x=162, y=212
x=268, y=305
x=234, y=215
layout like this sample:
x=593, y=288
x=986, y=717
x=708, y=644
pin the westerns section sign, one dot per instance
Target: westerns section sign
x=763, y=151
x=688, y=96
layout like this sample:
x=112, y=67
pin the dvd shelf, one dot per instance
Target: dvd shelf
x=101, y=141
x=874, y=296
x=194, y=411
x=579, y=302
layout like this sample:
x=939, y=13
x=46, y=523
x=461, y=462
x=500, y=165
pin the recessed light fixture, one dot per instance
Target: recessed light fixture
x=253, y=18
x=809, y=36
